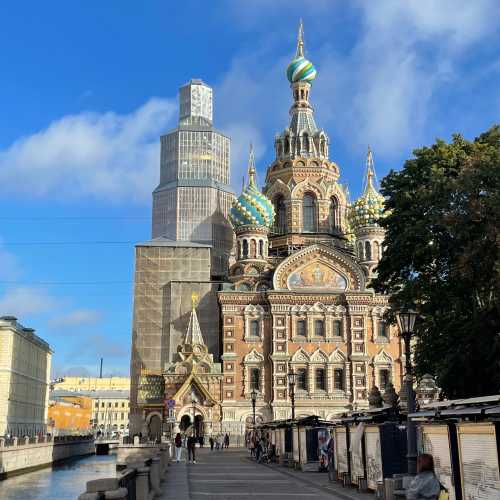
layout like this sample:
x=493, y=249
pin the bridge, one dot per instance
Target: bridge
x=103, y=445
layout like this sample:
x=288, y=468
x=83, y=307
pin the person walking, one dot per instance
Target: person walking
x=425, y=485
x=226, y=440
x=211, y=441
x=178, y=447
x=191, y=443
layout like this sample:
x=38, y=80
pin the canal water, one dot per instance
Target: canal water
x=63, y=482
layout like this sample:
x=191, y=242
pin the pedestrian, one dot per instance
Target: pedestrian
x=425, y=485
x=202, y=441
x=226, y=440
x=178, y=447
x=211, y=441
x=191, y=445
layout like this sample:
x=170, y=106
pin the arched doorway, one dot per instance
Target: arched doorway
x=198, y=426
x=154, y=428
x=185, y=423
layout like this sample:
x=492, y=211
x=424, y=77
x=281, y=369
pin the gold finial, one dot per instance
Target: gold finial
x=194, y=299
x=370, y=170
x=251, y=167
x=300, y=41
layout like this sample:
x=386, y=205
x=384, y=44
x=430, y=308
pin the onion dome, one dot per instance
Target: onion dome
x=252, y=208
x=369, y=208
x=300, y=69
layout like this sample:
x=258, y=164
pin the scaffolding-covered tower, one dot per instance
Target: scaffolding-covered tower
x=193, y=199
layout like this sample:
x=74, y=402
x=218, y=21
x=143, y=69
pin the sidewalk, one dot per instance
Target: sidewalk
x=175, y=486
x=320, y=480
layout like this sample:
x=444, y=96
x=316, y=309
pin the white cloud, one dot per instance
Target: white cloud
x=76, y=318
x=21, y=301
x=102, y=155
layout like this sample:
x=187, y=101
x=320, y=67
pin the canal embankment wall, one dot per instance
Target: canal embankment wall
x=20, y=455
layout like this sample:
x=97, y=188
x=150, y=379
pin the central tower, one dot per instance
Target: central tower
x=310, y=205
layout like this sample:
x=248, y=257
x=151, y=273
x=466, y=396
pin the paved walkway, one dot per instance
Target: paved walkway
x=230, y=474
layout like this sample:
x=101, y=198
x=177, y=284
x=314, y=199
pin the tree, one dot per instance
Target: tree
x=443, y=255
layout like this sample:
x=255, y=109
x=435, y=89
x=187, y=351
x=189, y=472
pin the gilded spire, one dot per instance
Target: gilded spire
x=251, y=168
x=370, y=171
x=194, y=299
x=300, y=41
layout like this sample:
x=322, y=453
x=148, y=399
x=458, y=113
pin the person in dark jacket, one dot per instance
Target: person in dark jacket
x=191, y=446
x=425, y=485
x=211, y=441
x=226, y=440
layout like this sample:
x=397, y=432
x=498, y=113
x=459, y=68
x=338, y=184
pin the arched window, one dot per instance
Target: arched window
x=254, y=328
x=368, y=251
x=261, y=248
x=309, y=213
x=334, y=213
x=305, y=144
x=253, y=249
x=302, y=379
x=384, y=379
x=376, y=250
x=338, y=379
x=320, y=379
x=280, y=210
x=255, y=379
x=360, y=251
x=287, y=144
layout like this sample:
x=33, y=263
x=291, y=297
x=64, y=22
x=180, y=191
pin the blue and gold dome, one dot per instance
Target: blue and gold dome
x=369, y=208
x=252, y=208
x=300, y=69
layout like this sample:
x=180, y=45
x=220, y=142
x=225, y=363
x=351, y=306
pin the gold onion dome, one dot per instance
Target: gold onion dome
x=369, y=208
x=252, y=208
x=300, y=69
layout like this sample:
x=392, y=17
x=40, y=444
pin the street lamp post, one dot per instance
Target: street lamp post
x=291, y=384
x=193, y=402
x=406, y=322
x=253, y=395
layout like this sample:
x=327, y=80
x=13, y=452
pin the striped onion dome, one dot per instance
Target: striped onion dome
x=300, y=69
x=252, y=208
x=369, y=208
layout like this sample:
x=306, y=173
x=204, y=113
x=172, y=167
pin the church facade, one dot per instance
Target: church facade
x=296, y=298
x=301, y=301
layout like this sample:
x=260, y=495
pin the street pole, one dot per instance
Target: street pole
x=253, y=395
x=406, y=319
x=291, y=383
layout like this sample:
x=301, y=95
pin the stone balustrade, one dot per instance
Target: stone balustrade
x=135, y=480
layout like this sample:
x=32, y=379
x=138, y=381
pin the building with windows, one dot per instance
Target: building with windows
x=25, y=361
x=78, y=384
x=110, y=411
x=69, y=413
x=300, y=300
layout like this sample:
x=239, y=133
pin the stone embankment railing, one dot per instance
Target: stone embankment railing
x=22, y=454
x=136, y=479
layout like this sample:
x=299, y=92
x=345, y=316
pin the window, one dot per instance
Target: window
x=123, y=405
x=320, y=379
x=302, y=379
x=384, y=379
x=116, y=405
x=102, y=404
x=382, y=329
x=122, y=416
x=261, y=248
x=97, y=404
x=338, y=379
x=337, y=328
x=280, y=210
x=309, y=213
x=301, y=328
x=319, y=328
x=334, y=213
x=254, y=328
x=245, y=248
x=255, y=379
x=368, y=251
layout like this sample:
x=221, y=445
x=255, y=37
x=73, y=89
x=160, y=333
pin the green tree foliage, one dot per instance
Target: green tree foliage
x=443, y=255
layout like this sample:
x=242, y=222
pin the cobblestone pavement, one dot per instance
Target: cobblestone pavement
x=229, y=474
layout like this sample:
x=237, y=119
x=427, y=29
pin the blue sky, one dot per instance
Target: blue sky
x=86, y=89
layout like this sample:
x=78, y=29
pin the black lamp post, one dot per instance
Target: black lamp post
x=291, y=384
x=406, y=319
x=253, y=395
x=193, y=402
